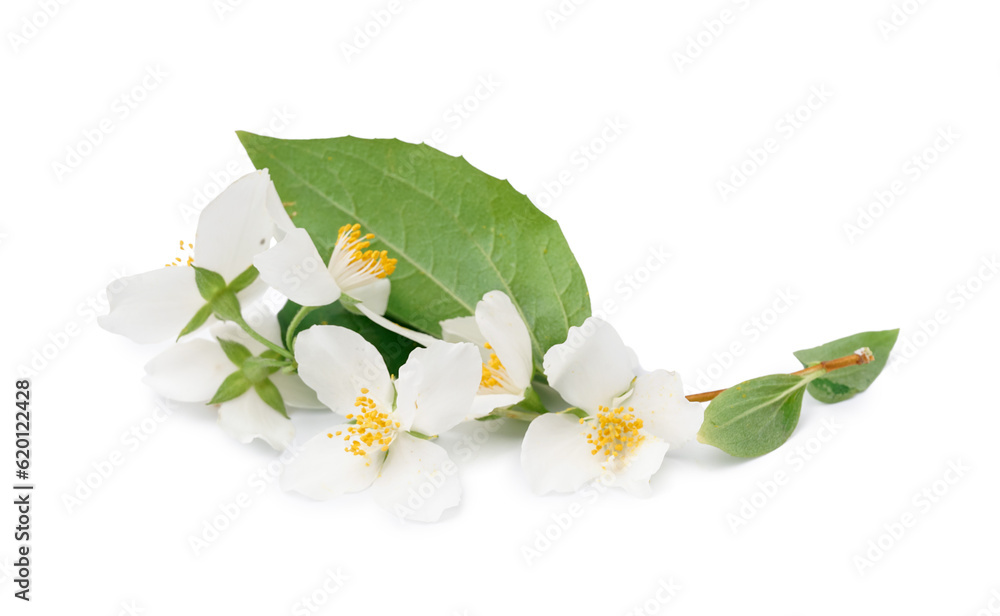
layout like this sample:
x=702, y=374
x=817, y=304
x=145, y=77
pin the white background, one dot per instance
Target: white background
x=654, y=186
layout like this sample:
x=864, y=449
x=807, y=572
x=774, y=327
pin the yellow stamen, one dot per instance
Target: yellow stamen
x=614, y=431
x=179, y=261
x=493, y=372
x=373, y=427
x=353, y=263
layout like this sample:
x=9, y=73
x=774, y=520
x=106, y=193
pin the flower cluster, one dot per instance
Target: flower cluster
x=609, y=417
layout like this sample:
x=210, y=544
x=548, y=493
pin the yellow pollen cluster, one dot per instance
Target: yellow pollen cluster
x=615, y=431
x=178, y=260
x=372, y=427
x=375, y=262
x=491, y=370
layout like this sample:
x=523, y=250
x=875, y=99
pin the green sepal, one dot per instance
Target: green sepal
x=257, y=369
x=236, y=352
x=350, y=304
x=209, y=283
x=531, y=402
x=582, y=414
x=839, y=385
x=244, y=280
x=269, y=393
x=234, y=386
x=227, y=307
x=196, y=321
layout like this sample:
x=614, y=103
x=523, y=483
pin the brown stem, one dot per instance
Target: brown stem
x=857, y=358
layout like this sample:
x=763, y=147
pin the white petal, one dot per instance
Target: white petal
x=418, y=480
x=501, y=324
x=644, y=460
x=293, y=267
x=592, y=367
x=418, y=337
x=154, y=306
x=462, y=329
x=658, y=399
x=248, y=417
x=189, y=372
x=484, y=404
x=438, y=384
x=294, y=392
x=374, y=295
x=276, y=209
x=556, y=456
x=338, y=363
x=322, y=469
x=235, y=226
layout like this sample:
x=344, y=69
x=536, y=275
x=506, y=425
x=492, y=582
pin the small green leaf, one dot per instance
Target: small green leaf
x=196, y=321
x=842, y=384
x=209, y=283
x=393, y=347
x=236, y=352
x=235, y=385
x=754, y=417
x=269, y=393
x=244, y=280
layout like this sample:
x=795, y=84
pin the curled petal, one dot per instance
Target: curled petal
x=463, y=329
x=279, y=215
x=293, y=267
x=502, y=325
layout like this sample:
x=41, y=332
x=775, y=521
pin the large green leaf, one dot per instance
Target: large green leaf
x=843, y=383
x=456, y=231
x=754, y=417
x=393, y=347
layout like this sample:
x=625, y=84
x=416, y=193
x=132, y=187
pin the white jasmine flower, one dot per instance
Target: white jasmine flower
x=192, y=371
x=633, y=417
x=295, y=268
x=409, y=475
x=235, y=226
x=499, y=331
x=505, y=345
